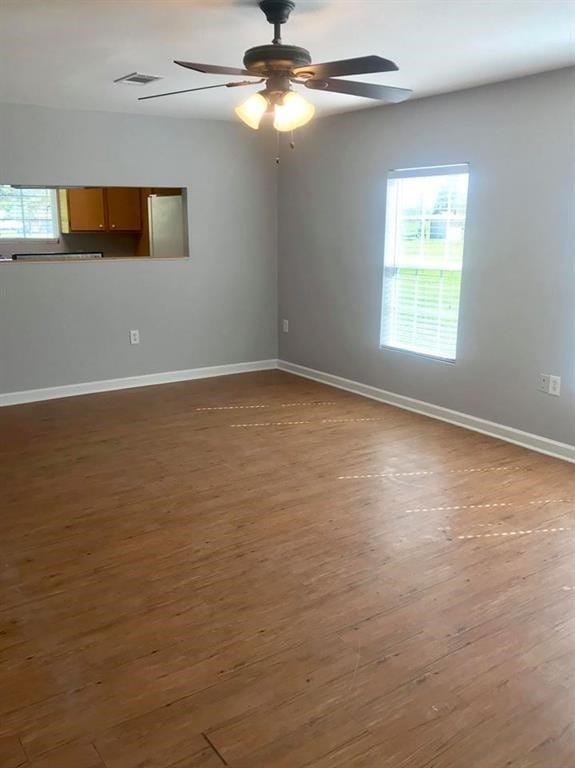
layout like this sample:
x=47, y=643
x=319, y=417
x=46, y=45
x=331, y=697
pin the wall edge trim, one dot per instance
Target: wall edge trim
x=512, y=435
x=130, y=382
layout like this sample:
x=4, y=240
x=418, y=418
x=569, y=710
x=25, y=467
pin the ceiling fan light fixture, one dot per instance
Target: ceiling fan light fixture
x=279, y=66
x=252, y=110
x=293, y=112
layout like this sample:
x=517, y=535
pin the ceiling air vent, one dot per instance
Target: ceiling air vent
x=137, y=78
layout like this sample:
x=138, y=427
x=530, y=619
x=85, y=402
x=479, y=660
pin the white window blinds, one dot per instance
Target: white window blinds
x=425, y=226
x=28, y=213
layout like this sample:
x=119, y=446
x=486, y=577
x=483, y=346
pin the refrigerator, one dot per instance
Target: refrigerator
x=167, y=226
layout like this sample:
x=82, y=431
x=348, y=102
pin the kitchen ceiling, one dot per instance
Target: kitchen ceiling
x=67, y=53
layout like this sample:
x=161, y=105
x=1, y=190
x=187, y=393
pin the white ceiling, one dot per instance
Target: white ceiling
x=66, y=53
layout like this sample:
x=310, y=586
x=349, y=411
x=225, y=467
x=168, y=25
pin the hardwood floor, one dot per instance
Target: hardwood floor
x=179, y=591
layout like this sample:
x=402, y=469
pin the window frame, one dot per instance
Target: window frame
x=390, y=237
x=55, y=217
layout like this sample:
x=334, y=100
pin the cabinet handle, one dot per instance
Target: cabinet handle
x=113, y=226
x=101, y=226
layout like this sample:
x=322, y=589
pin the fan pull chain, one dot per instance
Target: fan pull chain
x=291, y=143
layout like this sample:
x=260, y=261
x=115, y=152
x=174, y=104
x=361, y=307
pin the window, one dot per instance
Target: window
x=425, y=225
x=28, y=213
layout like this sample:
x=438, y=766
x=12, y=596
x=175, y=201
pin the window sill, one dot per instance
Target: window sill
x=421, y=355
x=31, y=240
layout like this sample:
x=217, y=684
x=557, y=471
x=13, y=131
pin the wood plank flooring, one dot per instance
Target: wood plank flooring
x=260, y=571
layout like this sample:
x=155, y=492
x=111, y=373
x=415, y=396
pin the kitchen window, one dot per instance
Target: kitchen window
x=28, y=213
x=424, y=238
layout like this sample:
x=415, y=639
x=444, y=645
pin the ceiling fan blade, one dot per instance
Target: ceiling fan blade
x=364, y=65
x=211, y=69
x=203, y=88
x=367, y=90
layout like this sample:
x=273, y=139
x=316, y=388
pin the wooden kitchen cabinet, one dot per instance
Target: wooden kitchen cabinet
x=100, y=209
x=82, y=210
x=124, y=210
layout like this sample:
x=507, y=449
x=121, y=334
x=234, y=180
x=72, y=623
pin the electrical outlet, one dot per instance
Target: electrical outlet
x=135, y=337
x=549, y=384
x=555, y=385
x=285, y=326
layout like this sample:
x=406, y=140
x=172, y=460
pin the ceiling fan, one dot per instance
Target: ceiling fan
x=280, y=66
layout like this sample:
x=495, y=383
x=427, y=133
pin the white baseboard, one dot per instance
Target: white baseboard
x=509, y=434
x=149, y=379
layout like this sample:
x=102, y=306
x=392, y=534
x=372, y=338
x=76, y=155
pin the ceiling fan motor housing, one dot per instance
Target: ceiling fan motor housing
x=264, y=60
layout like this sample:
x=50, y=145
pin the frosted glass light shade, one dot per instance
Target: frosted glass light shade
x=252, y=110
x=293, y=112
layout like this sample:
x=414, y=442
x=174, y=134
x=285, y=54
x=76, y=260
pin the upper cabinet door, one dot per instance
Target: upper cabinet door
x=124, y=209
x=86, y=210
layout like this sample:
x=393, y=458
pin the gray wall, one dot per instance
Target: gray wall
x=67, y=323
x=518, y=293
